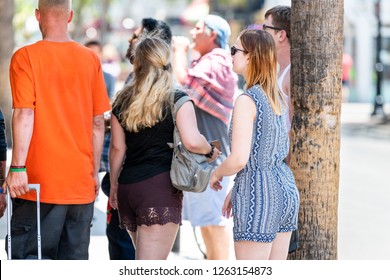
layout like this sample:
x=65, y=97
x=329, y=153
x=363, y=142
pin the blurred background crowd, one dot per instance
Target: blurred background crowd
x=366, y=86
x=366, y=62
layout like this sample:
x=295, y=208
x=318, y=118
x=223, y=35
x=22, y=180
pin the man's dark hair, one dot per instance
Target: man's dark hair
x=152, y=27
x=159, y=27
x=281, y=18
x=93, y=43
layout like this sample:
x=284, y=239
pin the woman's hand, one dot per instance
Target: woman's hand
x=216, y=153
x=215, y=181
x=114, y=196
x=227, y=206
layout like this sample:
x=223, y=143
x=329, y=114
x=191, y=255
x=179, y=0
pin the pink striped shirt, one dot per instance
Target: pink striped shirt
x=212, y=83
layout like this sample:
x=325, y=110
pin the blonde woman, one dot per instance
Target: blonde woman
x=149, y=206
x=264, y=201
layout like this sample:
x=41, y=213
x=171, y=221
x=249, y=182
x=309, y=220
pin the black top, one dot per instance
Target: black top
x=3, y=139
x=148, y=153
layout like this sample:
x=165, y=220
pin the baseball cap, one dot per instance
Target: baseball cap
x=219, y=26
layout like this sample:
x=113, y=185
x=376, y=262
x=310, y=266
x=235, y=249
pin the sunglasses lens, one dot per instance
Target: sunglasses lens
x=233, y=50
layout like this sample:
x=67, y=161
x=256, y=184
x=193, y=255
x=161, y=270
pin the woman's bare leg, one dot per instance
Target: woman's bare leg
x=280, y=246
x=276, y=250
x=250, y=250
x=155, y=242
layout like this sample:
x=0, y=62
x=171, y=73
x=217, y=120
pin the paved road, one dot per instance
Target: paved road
x=364, y=197
x=364, y=216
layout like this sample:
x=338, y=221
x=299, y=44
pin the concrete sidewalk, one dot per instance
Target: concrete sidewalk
x=364, y=195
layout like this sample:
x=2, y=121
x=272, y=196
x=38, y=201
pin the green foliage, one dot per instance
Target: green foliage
x=233, y=3
x=23, y=10
x=25, y=15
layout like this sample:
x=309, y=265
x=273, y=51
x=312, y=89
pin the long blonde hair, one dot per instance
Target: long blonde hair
x=143, y=103
x=262, y=65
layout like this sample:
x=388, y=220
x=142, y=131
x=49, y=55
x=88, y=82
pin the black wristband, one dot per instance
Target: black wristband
x=210, y=155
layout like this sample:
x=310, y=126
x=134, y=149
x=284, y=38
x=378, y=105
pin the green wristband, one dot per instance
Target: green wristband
x=17, y=169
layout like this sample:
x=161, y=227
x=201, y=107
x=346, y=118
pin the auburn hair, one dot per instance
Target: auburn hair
x=261, y=69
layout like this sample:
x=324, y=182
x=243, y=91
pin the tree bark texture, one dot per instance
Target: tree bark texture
x=6, y=50
x=316, y=55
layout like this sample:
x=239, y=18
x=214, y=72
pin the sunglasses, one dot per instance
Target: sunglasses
x=271, y=27
x=234, y=50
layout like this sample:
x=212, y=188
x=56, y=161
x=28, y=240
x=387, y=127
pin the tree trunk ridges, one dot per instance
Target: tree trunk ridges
x=6, y=50
x=316, y=56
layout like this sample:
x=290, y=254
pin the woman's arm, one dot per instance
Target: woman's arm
x=189, y=132
x=244, y=115
x=117, y=154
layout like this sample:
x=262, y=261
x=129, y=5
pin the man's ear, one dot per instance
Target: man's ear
x=71, y=14
x=213, y=35
x=282, y=35
x=37, y=15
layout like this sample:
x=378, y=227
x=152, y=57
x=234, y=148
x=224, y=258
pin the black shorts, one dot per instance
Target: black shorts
x=149, y=202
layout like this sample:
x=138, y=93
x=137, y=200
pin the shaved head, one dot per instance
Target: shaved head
x=53, y=17
x=64, y=5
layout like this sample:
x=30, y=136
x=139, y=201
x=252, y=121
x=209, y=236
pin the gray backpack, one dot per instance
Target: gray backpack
x=189, y=172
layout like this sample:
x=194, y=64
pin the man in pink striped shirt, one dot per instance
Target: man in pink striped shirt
x=211, y=83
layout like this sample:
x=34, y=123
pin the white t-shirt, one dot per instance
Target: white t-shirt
x=280, y=85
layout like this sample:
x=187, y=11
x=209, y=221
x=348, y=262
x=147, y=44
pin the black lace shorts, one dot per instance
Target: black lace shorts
x=149, y=202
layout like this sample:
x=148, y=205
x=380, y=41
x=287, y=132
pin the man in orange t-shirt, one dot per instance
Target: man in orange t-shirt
x=59, y=98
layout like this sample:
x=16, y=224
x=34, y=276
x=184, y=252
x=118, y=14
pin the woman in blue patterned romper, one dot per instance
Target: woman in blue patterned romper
x=264, y=201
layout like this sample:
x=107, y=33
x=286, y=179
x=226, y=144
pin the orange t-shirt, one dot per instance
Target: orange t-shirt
x=63, y=83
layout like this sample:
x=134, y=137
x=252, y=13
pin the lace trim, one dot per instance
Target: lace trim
x=153, y=216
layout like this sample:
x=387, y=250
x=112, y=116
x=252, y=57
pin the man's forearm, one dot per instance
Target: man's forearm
x=180, y=66
x=97, y=140
x=22, y=129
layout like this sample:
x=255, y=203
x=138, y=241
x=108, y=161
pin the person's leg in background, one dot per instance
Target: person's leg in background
x=294, y=241
x=216, y=239
x=204, y=210
x=120, y=245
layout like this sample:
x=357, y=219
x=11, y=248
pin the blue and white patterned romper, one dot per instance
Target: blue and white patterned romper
x=265, y=198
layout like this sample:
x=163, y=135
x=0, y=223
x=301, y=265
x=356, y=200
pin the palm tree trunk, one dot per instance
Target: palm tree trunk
x=316, y=55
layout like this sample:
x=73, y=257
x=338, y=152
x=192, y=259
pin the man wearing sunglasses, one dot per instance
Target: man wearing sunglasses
x=278, y=24
x=211, y=83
